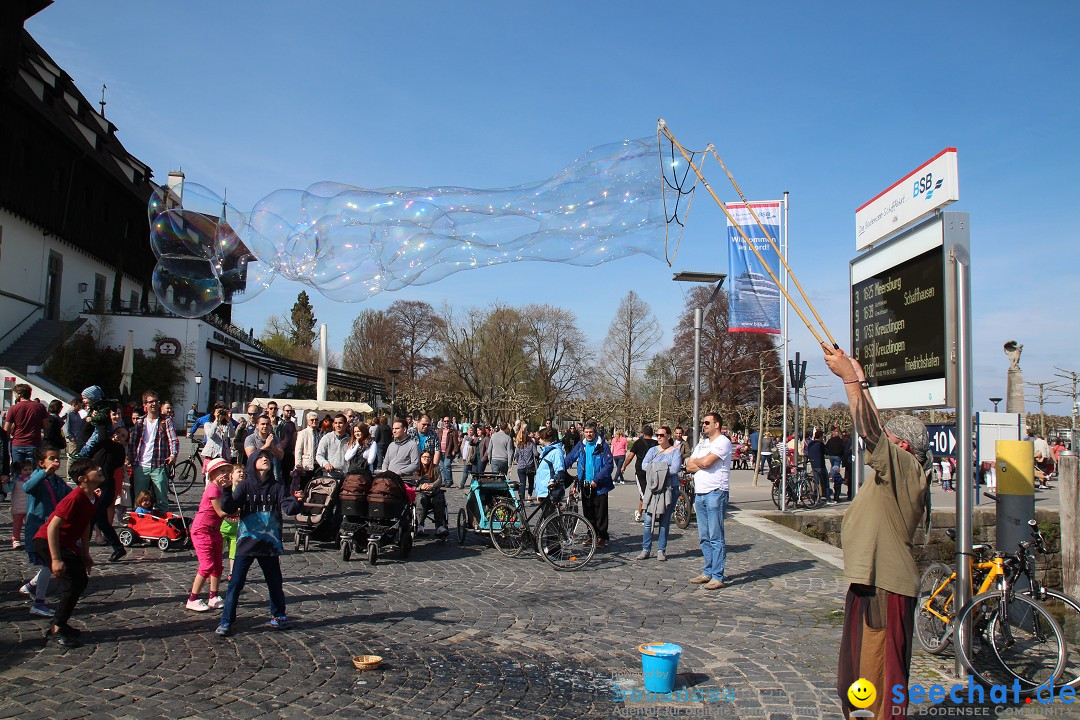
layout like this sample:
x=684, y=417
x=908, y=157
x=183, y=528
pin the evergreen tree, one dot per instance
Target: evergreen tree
x=303, y=322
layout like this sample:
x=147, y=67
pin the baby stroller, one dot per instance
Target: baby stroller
x=376, y=515
x=319, y=518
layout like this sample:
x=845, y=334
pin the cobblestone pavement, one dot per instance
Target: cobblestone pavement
x=466, y=632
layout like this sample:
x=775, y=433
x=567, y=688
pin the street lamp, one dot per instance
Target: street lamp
x=198, y=382
x=262, y=385
x=699, y=316
x=995, y=401
x=394, y=372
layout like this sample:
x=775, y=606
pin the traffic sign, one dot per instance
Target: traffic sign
x=942, y=440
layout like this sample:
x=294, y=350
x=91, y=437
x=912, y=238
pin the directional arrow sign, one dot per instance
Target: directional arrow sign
x=942, y=440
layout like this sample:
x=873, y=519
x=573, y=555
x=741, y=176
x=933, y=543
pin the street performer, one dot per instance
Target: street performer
x=877, y=536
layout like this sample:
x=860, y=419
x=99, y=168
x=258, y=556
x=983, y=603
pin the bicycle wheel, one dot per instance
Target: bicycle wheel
x=506, y=528
x=776, y=494
x=682, y=512
x=187, y=473
x=1066, y=610
x=567, y=540
x=1027, y=647
x=931, y=630
x=808, y=491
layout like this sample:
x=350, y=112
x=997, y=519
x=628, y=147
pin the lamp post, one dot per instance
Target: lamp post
x=394, y=372
x=699, y=317
x=198, y=382
x=995, y=401
x=261, y=385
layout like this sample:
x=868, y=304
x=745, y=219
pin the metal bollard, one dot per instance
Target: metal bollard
x=1015, y=472
x=1068, y=497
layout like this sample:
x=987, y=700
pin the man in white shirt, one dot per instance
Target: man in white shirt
x=711, y=464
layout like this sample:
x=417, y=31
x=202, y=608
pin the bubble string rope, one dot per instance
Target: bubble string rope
x=663, y=129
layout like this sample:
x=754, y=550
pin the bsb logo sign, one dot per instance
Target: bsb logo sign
x=932, y=185
x=926, y=185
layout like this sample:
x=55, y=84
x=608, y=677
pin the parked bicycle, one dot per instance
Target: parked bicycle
x=564, y=538
x=684, y=512
x=1015, y=631
x=185, y=474
x=802, y=487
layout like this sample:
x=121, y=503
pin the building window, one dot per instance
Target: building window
x=53, y=279
x=99, y=293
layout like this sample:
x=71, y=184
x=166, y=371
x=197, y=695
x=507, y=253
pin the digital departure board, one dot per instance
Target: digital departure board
x=898, y=321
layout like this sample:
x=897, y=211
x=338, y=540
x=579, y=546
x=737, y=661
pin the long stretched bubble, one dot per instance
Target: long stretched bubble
x=350, y=243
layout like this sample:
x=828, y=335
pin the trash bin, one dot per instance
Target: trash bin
x=659, y=666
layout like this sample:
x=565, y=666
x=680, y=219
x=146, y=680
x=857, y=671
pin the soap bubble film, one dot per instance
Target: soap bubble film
x=351, y=243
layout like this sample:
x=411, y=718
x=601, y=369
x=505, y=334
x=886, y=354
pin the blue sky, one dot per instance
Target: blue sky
x=832, y=102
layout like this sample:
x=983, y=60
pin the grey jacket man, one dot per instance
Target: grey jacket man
x=402, y=457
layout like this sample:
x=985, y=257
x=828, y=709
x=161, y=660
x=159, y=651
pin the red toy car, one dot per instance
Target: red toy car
x=167, y=531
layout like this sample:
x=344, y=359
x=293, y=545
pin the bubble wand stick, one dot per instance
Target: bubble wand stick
x=663, y=128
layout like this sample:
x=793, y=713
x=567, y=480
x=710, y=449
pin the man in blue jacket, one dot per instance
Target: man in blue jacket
x=594, y=468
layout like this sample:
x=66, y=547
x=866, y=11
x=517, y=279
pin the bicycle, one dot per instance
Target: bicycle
x=802, y=487
x=185, y=473
x=565, y=539
x=1009, y=633
x=684, y=512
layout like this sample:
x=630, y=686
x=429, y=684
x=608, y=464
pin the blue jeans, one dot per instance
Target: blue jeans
x=466, y=468
x=445, y=464
x=710, y=508
x=23, y=452
x=271, y=568
x=665, y=523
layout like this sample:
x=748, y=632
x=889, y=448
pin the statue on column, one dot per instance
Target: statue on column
x=1014, y=388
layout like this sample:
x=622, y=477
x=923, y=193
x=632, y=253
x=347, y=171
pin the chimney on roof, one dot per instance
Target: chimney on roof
x=176, y=185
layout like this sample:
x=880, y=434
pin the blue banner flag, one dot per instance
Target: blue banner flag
x=754, y=299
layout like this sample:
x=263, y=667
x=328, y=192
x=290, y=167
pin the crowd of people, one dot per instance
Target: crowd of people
x=256, y=466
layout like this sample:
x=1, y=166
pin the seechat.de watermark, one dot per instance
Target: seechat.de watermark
x=974, y=693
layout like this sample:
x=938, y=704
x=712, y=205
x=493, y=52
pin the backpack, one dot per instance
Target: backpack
x=561, y=481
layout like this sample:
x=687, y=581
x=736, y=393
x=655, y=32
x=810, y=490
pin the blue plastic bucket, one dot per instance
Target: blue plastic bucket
x=659, y=666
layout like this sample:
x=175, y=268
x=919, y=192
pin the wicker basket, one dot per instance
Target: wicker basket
x=367, y=662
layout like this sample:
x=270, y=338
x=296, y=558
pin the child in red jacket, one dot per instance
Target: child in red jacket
x=57, y=542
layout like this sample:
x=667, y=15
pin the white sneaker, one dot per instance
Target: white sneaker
x=216, y=603
x=28, y=589
x=441, y=530
x=421, y=530
x=198, y=605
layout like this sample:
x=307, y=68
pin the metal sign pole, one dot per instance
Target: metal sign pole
x=787, y=343
x=965, y=487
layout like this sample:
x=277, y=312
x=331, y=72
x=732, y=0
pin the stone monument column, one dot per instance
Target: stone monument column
x=1014, y=386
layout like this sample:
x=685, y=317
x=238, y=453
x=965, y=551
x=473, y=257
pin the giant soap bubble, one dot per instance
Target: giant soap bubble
x=350, y=243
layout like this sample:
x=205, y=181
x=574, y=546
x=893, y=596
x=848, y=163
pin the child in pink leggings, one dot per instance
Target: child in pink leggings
x=206, y=537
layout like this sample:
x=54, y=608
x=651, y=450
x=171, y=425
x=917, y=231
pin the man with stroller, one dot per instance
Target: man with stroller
x=403, y=454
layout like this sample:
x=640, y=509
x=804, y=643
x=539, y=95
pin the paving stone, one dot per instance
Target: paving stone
x=466, y=633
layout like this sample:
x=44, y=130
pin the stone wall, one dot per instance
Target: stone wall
x=825, y=526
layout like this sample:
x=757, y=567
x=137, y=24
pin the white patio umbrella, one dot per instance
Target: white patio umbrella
x=127, y=367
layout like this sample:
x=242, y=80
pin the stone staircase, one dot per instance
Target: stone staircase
x=38, y=342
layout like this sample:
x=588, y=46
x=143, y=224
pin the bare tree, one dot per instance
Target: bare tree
x=484, y=353
x=730, y=370
x=373, y=346
x=633, y=332
x=558, y=352
x=419, y=328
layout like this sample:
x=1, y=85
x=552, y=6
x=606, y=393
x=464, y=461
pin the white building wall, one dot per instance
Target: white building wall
x=193, y=336
x=24, y=264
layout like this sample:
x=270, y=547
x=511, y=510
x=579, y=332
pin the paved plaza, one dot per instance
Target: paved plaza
x=465, y=632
